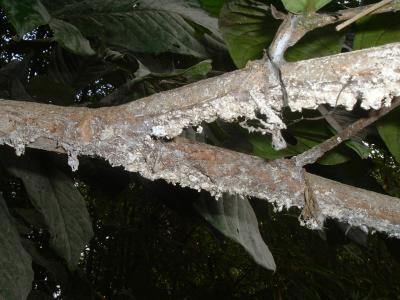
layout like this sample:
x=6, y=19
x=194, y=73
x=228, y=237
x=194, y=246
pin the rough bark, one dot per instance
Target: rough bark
x=132, y=135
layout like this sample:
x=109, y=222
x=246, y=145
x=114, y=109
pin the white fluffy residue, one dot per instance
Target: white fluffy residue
x=227, y=108
x=73, y=160
x=371, y=76
x=373, y=99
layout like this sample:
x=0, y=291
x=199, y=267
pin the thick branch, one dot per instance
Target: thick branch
x=125, y=135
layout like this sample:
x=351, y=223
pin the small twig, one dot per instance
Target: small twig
x=363, y=13
x=312, y=155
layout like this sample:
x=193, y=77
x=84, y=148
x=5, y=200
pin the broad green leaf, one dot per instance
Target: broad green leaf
x=389, y=130
x=70, y=37
x=262, y=146
x=320, y=42
x=25, y=15
x=16, y=274
x=377, y=30
x=247, y=27
x=300, y=6
x=147, y=26
x=60, y=203
x=307, y=136
x=333, y=157
x=234, y=217
x=199, y=70
x=212, y=6
x=362, y=150
x=310, y=134
x=31, y=216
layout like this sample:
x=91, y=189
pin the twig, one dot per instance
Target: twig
x=363, y=13
x=312, y=155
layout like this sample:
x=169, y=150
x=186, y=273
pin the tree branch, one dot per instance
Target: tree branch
x=127, y=135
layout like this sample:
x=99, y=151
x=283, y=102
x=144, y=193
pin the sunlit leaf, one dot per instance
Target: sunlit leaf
x=25, y=15
x=299, y=6
x=389, y=130
x=247, y=27
x=16, y=274
x=262, y=146
x=198, y=70
x=377, y=30
x=212, y=6
x=317, y=43
x=234, y=217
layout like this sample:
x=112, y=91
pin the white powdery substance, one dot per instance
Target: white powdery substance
x=21, y=137
x=73, y=160
x=371, y=76
x=308, y=83
x=355, y=217
x=227, y=108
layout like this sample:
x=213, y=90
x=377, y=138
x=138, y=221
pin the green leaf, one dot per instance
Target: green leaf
x=16, y=274
x=262, y=147
x=197, y=71
x=299, y=6
x=25, y=15
x=234, y=217
x=212, y=6
x=333, y=157
x=377, y=30
x=320, y=42
x=61, y=204
x=70, y=37
x=147, y=26
x=389, y=130
x=247, y=27
x=307, y=136
x=362, y=150
x=310, y=134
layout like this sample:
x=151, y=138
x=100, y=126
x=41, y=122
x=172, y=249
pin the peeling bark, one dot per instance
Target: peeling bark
x=127, y=135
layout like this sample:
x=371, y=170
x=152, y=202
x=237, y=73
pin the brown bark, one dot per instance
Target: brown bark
x=127, y=135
